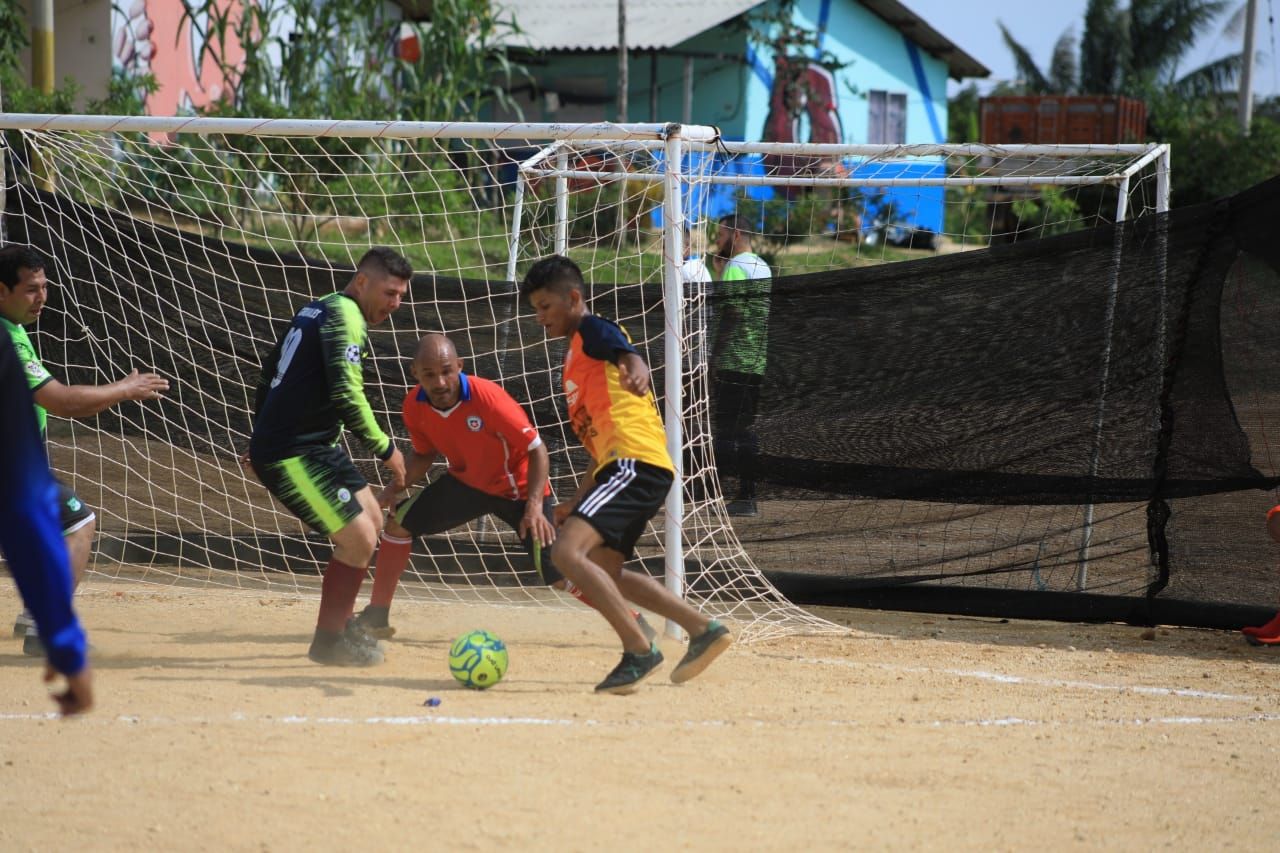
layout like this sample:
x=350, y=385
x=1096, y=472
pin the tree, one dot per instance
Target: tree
x=963, y=115
x=1131, y=51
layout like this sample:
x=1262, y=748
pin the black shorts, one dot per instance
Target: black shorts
x=626, y=495
x=448, y=503
x=74, y=514
x=319, y=487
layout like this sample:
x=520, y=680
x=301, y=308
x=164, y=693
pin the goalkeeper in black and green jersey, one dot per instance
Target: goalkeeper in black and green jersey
x=312, y=385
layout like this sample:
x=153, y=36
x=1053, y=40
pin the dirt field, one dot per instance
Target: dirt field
x=213, y=732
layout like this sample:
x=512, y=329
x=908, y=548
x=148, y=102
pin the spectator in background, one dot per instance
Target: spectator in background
x=739, y=352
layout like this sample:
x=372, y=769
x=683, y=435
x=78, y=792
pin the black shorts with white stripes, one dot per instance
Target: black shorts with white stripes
x=626, y=495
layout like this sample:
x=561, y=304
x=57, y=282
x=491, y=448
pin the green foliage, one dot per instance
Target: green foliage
x=305, y=59
x=962, y=115
x=13, y=35
x=463, y=64
x=780, y=222
x=1211, y=157
x=1051, y=212
x=965, y=215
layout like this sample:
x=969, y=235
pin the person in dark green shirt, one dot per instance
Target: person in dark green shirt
x=312, y=385
x=739, y=355
x=24, y=292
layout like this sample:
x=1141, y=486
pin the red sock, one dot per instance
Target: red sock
x=1271, y=629
x=582, y=596
x=338, y=594
x=393, y=559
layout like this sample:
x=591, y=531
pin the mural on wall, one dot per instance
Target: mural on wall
x=153, y=36
x=803, y=93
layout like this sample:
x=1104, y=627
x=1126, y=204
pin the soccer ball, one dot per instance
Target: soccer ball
x=478, y=659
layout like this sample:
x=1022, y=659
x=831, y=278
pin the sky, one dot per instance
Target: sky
x=1037, y=24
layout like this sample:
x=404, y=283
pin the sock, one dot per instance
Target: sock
x=338, y=595
x=1271, y=629
x=581, y=596
x=393, y=559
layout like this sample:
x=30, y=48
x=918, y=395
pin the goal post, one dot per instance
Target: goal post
x=182, y=245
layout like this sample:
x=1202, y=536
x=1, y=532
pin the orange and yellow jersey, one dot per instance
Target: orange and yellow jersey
x=611, y=423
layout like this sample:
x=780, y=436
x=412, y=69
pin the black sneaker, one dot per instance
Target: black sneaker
x=633, y=669
x=742, y=508
x=650, y=633
x=350, y=648
x=703, y=649
x=373, y=621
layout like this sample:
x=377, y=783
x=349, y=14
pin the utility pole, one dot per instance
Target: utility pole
x=1246, y=68
x=42, y=79
x=42, y=70
x=623, y=82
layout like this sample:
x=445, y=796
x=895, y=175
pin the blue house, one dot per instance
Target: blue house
x=873, y=72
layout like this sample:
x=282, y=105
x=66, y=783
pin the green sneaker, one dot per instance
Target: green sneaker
x=703, y=649
x=633, y=669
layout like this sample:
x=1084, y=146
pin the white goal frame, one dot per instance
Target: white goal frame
x=674, y=142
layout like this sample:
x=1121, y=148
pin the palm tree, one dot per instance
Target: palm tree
x=1129, y=51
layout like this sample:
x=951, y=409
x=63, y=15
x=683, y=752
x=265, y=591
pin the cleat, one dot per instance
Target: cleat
x=31, y=645
x=703, y=649
x=632, y=669
x=1267, y=642
x=373, y=621
x=350, y=648
x=360, y=635
x=22, y=623
x=742, y=508
x=650, y=633
x=1271, y=629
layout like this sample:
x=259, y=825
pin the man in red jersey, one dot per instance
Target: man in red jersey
x=497, y=465
x=615, y=416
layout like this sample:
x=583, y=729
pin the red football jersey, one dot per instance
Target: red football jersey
x=486, y=437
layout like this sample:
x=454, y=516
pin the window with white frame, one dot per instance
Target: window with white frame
x=887, y=119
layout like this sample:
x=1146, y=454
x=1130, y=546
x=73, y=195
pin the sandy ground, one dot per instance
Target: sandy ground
x=911, y=732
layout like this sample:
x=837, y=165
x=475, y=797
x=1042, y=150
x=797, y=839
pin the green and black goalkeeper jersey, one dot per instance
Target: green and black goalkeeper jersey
x=313, y=383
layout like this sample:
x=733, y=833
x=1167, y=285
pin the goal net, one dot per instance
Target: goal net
x=184, y=246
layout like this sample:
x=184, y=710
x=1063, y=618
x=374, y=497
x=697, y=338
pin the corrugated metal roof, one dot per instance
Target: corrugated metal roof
x=593, y=24
x=959, y=64
x=556, y=25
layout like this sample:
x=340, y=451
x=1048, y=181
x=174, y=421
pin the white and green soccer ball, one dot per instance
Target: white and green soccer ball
x=478, y=659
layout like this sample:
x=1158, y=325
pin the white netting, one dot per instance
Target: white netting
x=187, y=253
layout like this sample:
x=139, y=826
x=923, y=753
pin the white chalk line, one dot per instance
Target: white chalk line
x=433, y=720
x=1019, y=679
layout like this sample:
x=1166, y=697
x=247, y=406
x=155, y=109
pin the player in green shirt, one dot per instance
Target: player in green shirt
x=24, y=291
x=312, y=386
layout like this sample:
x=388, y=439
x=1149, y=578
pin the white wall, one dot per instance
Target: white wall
x=81, y=45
